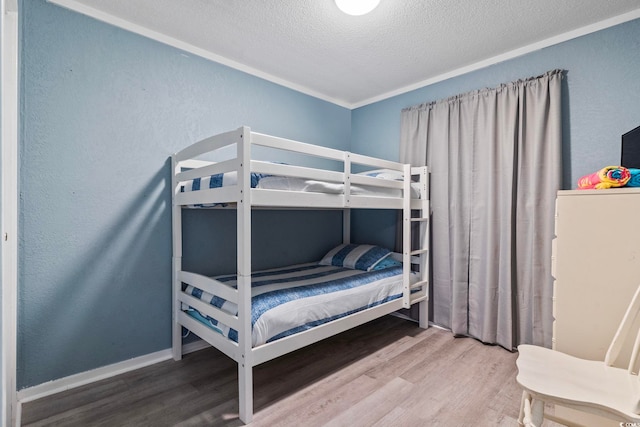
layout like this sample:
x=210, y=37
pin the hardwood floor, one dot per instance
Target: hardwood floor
x=385, y=373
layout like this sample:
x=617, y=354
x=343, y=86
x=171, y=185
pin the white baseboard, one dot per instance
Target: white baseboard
x=51, y=387
x=192, y=347
x=56, y=386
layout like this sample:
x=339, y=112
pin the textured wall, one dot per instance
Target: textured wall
x=103, y=109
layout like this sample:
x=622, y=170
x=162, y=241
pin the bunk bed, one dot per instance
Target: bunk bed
x=233, y=313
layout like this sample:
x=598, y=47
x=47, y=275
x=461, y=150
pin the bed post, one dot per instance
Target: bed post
x=346, y=213
x=346, y=226
x=245, y=356
x=176, y=225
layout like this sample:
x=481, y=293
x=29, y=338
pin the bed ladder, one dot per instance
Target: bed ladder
x=416, y=243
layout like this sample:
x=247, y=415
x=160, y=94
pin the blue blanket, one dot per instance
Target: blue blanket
x=635, y=178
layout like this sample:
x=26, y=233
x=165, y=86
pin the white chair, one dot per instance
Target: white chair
x=549, y=376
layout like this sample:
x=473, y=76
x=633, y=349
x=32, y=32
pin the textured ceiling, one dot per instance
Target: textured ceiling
x=311, y=46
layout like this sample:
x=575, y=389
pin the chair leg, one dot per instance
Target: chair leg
x=537, y=412
x=523, y=401
x=531, y=411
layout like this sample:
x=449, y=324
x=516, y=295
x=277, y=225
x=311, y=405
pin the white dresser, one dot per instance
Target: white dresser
x=596, y=265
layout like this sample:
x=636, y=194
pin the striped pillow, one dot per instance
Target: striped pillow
x=361, y=257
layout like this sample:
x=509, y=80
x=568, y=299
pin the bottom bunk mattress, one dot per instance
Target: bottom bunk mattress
x=292, y=299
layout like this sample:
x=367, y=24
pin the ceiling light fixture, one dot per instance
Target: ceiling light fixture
x=357, y=7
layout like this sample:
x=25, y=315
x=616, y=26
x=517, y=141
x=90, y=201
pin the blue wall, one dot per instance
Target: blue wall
x=103, y=109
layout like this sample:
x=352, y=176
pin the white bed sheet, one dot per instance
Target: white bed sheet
x=306, y=185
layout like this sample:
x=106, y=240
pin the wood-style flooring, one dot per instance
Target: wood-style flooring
x=385, y=373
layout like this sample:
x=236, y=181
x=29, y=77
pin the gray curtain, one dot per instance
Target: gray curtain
x=495, y=162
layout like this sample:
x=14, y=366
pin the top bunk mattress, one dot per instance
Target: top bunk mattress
x=287, y=183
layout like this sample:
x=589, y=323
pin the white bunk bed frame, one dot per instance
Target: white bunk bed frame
x=186, y=166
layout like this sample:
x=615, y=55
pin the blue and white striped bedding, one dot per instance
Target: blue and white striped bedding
x=362, y=257
x=292, y=299
x=216, y=181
